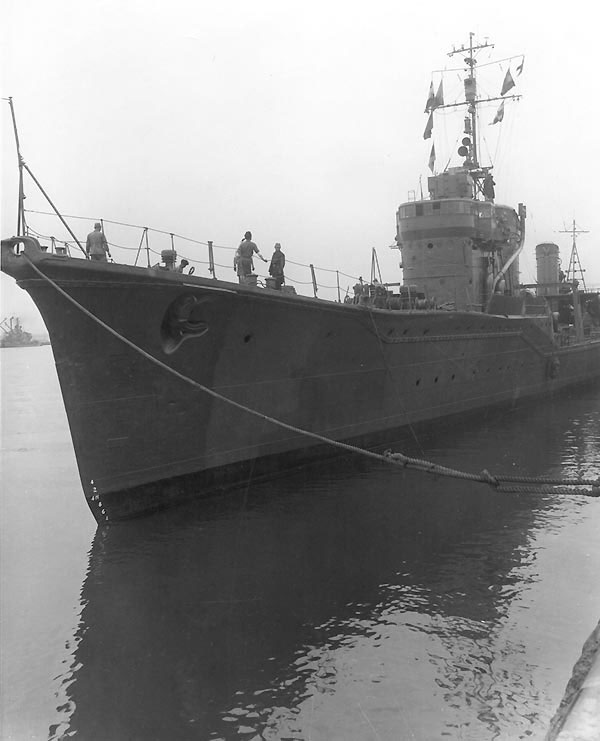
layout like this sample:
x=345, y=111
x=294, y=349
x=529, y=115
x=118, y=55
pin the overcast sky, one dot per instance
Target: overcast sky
x=301, y=121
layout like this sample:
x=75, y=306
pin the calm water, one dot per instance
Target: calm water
x=346, y=601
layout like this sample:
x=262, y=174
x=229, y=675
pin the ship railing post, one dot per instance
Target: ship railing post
x=314, y=279
x=140, y=249
x=147, y=245
x=337, y=275
x=211, y=260
x=144, y=234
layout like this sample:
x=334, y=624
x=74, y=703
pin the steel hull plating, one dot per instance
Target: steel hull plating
x=144, y=437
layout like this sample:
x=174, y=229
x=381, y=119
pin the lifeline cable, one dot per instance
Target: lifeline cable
x=387, y=457
x=179, y=236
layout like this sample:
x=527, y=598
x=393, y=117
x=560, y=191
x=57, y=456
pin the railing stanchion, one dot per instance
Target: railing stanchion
x=139, y=249
x=211, y=260
x=314, y=279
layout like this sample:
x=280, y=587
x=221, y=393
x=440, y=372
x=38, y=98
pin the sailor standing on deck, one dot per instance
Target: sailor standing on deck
x=243, y=257
x=96, y=246
x=277, y=265
x=489, y=192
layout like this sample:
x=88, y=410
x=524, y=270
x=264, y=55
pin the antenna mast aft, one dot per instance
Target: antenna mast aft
x=575, y=268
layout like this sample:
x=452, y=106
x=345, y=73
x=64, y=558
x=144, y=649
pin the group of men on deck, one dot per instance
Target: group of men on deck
x=243, y=261
x=96, y=248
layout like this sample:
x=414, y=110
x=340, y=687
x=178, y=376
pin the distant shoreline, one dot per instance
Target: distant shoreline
x=37, y=342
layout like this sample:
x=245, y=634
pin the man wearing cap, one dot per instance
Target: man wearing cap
x=243, y=256
x=96, y=246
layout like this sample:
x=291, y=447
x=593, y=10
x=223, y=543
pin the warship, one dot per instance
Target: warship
x=176, y=385
x=13, y=334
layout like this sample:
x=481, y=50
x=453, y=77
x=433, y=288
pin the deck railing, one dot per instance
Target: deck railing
x=207, y=258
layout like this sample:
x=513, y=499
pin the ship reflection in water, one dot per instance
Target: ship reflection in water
x=347, y=601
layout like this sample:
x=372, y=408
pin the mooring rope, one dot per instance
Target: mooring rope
x=498, y=482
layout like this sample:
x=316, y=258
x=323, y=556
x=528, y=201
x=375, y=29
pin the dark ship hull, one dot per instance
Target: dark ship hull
x=144, y=437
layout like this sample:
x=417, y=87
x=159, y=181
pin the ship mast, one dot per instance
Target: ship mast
x=471, y=128
x=470, y=144
x=21, y=227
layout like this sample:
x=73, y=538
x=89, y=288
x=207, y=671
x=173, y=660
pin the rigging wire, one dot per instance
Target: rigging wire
x=187, y=239
x=154, y=252
x=122, y=223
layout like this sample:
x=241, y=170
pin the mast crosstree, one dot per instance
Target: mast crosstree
x=469, y=149
x=471, y=99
